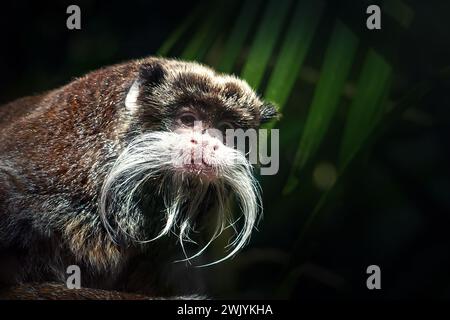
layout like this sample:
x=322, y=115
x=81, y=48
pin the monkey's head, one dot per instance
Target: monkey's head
x=180, y=157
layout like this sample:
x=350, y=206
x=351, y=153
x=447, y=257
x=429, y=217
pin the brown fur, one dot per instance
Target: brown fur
x=56, y=149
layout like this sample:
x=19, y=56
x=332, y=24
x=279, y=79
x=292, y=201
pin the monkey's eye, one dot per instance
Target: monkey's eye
x=224, y=125
x=187, y=119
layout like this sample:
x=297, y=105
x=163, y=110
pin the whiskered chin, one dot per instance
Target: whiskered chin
x=170, y=158
x=204, y=172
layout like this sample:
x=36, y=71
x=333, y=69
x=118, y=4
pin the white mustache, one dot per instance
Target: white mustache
x=156, y=156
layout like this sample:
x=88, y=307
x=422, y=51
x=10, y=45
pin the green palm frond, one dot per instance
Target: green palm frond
x=264, y=42
x=338, y=61
x=367, y=105
x=239, y=34
x=294, y=48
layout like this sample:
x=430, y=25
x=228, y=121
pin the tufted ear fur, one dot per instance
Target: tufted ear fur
x=268, y=112
x=150, y=75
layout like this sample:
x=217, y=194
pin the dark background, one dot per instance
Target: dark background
x=392, y=207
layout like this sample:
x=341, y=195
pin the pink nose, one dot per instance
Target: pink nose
x=205, y=143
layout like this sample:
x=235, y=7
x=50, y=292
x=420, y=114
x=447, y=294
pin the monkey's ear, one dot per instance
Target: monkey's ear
x=151, y=74
x=268, y=112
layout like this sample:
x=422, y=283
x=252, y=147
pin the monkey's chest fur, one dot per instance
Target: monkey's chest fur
x=43, y=233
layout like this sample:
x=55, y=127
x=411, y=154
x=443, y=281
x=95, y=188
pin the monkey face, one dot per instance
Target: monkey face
x=201, y=106
x=182, y=114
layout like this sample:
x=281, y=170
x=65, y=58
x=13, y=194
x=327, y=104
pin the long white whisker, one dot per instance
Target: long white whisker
x=153, y=159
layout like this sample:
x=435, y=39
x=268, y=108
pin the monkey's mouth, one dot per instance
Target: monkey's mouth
x=201, y=170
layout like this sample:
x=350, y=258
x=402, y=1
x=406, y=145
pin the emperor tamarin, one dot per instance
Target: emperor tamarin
x=117, y=170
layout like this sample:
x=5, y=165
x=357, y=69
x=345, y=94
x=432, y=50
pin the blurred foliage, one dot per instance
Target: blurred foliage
x=268, y=44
